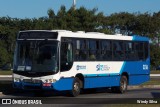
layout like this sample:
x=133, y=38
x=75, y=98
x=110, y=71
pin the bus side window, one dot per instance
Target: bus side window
x=69, y=53
x=66, y=56
x=81, y=50
x=118, y=51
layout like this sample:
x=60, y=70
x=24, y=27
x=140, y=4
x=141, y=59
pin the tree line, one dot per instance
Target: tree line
x=81, y=19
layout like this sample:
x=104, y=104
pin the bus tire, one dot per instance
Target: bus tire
x=123, y=84
x=75, y=88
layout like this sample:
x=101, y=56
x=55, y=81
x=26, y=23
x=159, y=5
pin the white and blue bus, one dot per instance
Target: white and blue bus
x=65, y=60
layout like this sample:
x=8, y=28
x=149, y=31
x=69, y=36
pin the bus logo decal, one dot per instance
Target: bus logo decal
x=102, y=67
x=81, y=67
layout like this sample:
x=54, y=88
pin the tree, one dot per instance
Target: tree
x=51, y=14
x=81, y=19
x=62, y=18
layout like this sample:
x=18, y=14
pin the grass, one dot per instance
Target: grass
x=155, y=72
x=2, y=72
x=152, y=82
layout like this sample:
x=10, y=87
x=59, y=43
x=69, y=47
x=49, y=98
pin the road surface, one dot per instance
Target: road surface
x=100, y=97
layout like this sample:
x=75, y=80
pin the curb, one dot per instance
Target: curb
x=5, y=76
x=154, y=75
x=144, y=86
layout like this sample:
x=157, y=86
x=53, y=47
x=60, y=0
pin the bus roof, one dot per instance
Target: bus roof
x=94, y=35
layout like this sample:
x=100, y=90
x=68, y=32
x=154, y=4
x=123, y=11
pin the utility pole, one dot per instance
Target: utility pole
x=74, y=4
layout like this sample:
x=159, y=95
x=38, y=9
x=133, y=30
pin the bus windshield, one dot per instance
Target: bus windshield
x=36, y=56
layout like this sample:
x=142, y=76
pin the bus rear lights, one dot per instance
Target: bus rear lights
x=47, y=84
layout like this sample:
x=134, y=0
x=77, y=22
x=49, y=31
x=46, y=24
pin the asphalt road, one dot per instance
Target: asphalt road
x=99, y=96
x=102, y=97
x=99, y=93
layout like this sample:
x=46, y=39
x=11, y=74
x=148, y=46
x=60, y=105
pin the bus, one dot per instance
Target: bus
x=61, y=60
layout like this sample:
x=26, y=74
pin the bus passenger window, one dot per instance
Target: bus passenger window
x=81, y=51
x=92, y=55
x=118, y=51
x=69, y=53
x=106, y=51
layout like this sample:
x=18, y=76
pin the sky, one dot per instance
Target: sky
x=38, y=8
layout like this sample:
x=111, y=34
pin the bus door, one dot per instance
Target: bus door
x=66, y=56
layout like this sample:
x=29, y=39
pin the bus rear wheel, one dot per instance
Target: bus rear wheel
x=123, y=85
x=75, y=88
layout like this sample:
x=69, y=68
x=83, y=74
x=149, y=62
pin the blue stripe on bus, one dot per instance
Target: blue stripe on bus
x=95, y=75
x=139, y=38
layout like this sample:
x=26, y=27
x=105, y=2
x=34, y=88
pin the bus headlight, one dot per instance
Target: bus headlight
x=17, y=80
x=50, y=80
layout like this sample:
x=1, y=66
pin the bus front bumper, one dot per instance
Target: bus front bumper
x=60, y=85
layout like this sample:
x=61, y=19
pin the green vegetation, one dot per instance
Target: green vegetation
x=82, y=20
x=5, y=72
x=155, y=72
x=151, y=82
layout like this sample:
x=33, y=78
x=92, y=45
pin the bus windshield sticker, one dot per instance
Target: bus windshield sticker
x=21, y=68
x=28, y=68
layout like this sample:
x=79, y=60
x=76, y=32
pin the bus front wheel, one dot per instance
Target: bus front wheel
x=75, y=88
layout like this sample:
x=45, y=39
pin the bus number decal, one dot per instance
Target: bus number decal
x=145, y=67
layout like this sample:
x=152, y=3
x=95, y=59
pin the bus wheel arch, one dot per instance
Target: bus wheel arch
x=81, y=79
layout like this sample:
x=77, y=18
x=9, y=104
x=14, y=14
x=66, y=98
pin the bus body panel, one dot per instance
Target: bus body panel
x=63, y=84
x=138, y=79
x=101, y=81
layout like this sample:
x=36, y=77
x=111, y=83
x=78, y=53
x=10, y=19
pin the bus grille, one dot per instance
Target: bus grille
x=32, y=81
